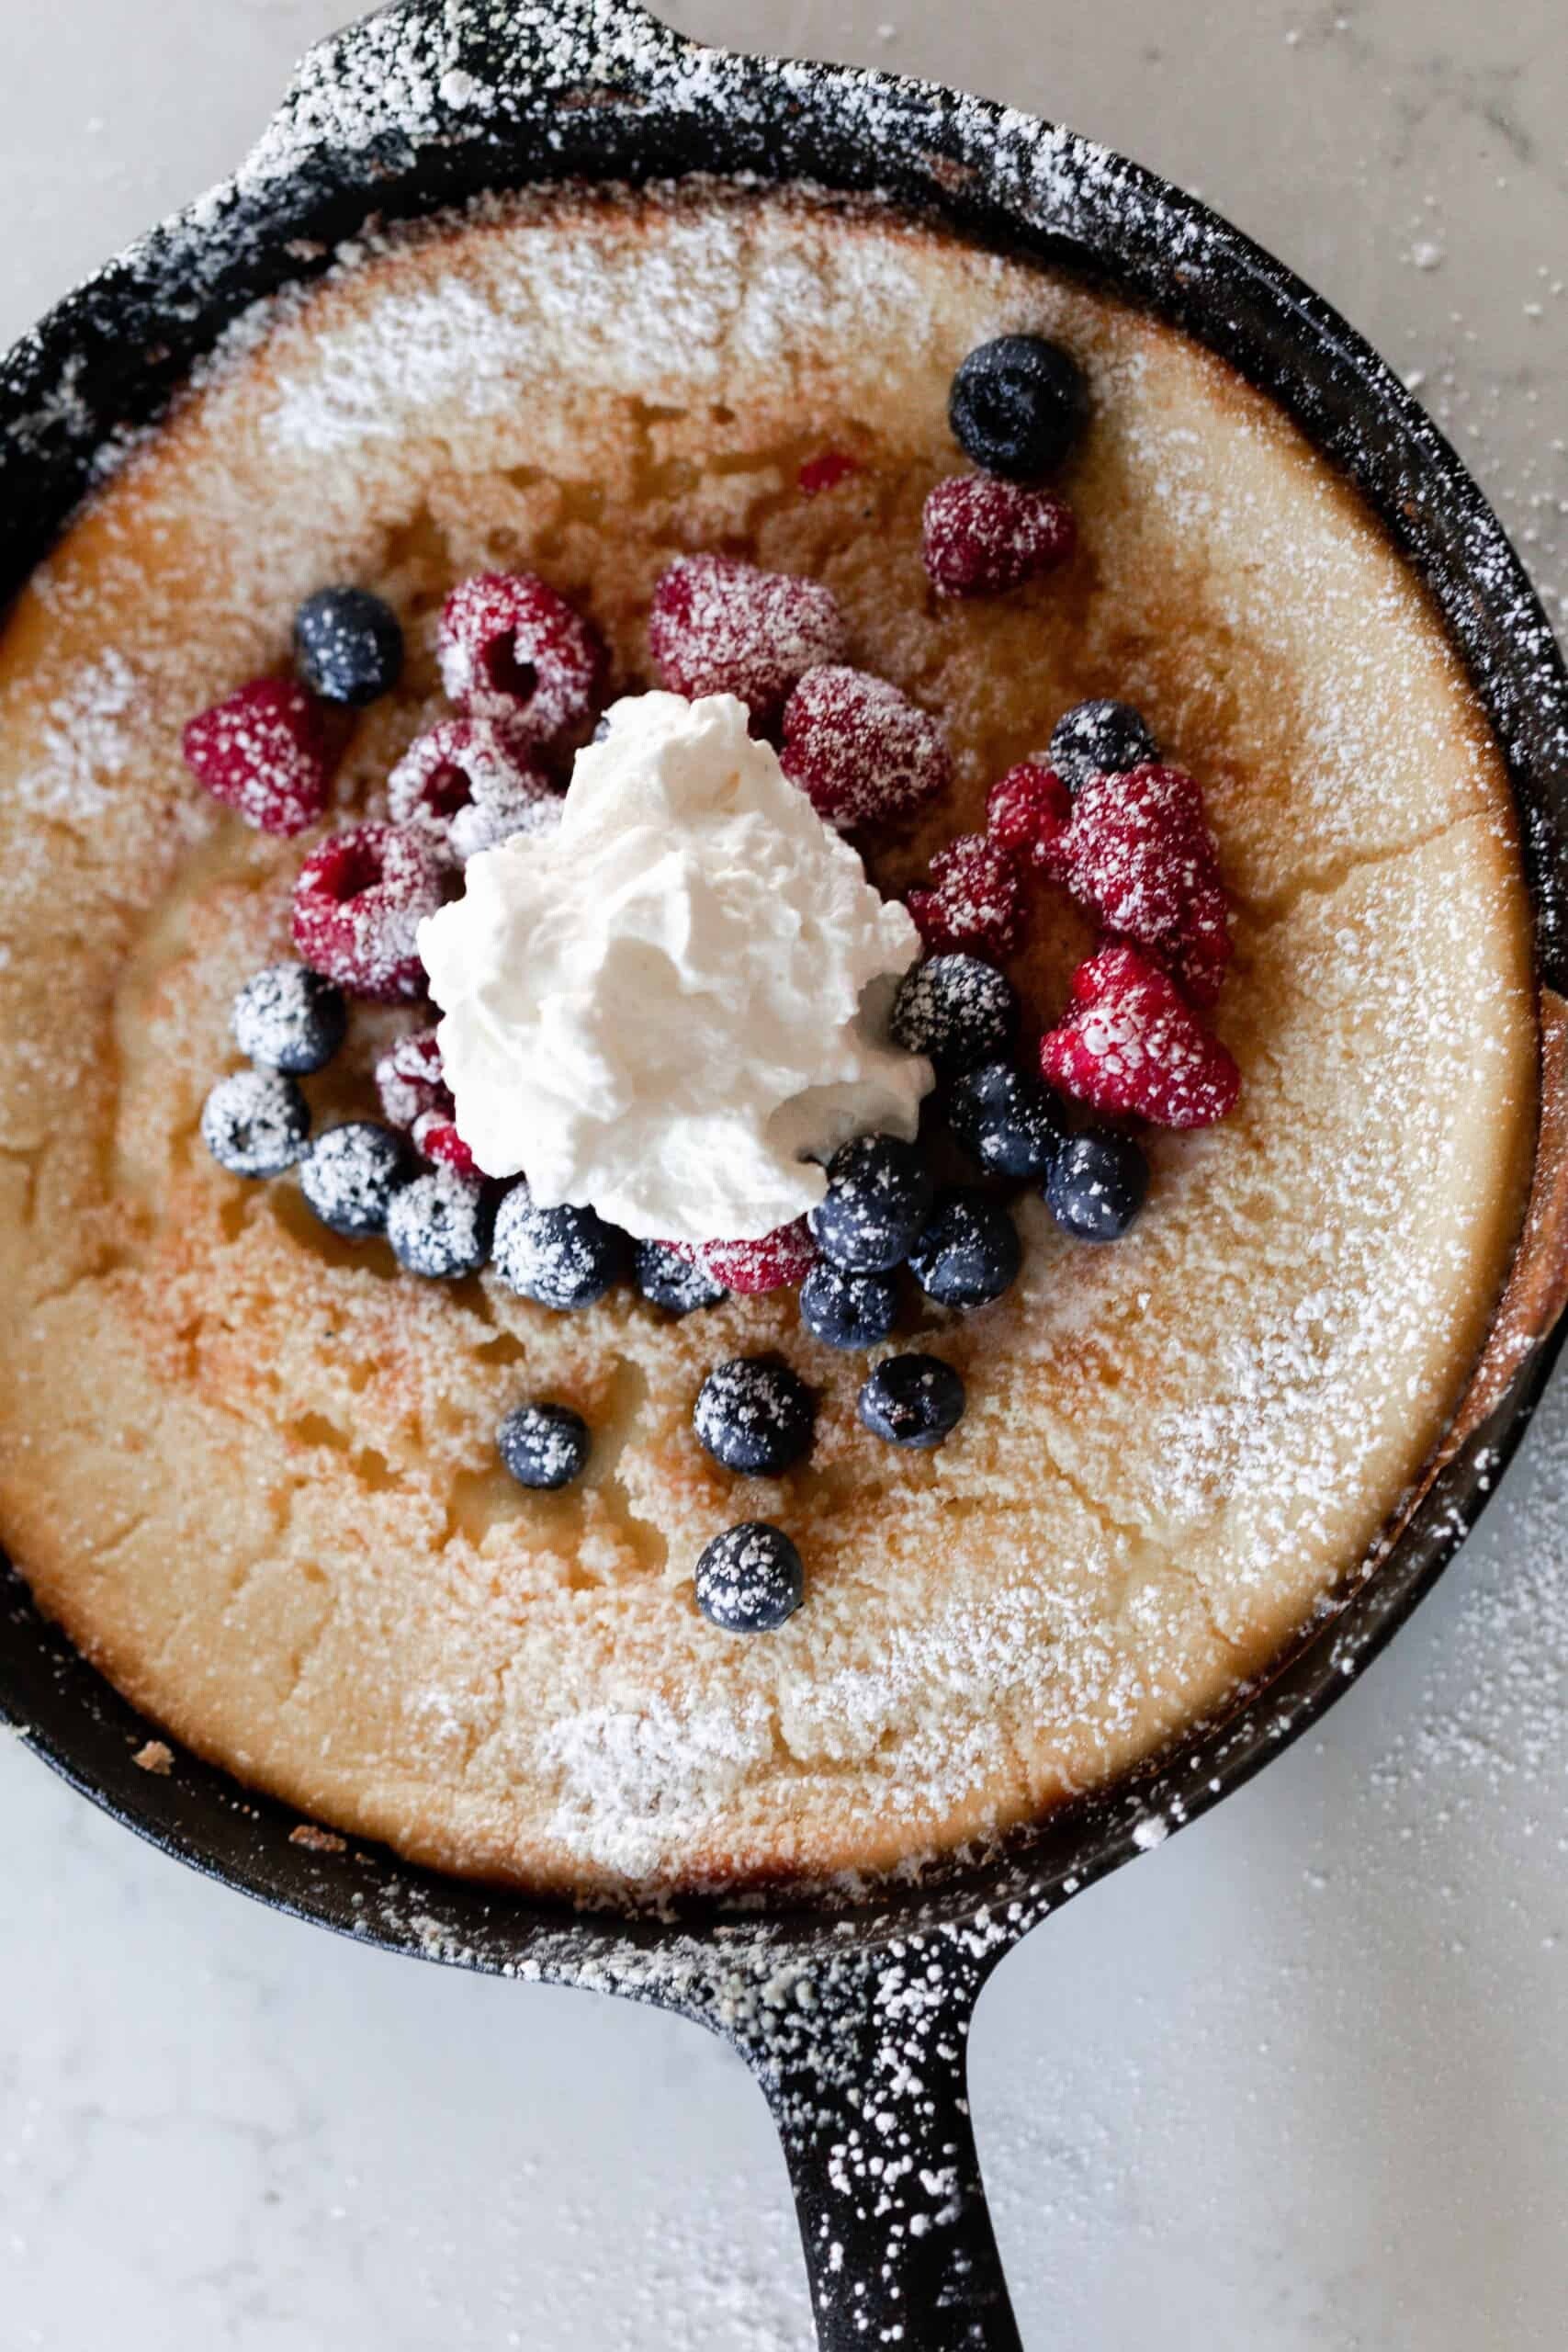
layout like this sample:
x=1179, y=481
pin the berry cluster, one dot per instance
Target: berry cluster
x=1127, y=838
x=525, y=674
x=1101, y=816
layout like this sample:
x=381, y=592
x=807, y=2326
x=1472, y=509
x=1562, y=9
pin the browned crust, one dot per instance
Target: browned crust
x=1537, y=1290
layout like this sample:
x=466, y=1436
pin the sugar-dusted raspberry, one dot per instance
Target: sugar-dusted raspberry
x=975, y=902
x=826, y=472
x=984, y=536
x=358, y=903
x=861, y=750
x=435, y=1138
x=410, y=1081
x=1027, y=812
x=261, y=752
x=1130, y=1042
x=515, y=651
x=467, y=786
x=1138, y=854
x=781, y=1260
x=720, y=627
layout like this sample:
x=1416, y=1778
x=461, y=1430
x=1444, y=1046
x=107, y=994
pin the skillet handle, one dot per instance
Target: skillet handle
x=864, y=2065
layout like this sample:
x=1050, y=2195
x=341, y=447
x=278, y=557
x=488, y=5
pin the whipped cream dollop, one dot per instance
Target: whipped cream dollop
x=673, y=1007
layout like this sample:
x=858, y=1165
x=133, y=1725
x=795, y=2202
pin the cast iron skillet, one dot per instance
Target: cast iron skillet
x=855, y=2023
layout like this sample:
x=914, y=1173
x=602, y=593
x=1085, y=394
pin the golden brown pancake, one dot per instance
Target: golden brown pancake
x=252, y=1468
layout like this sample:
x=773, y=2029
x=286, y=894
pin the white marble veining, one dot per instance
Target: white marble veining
x=1298, y=2080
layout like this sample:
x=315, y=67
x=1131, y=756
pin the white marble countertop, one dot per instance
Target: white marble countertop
x=1300, y=2079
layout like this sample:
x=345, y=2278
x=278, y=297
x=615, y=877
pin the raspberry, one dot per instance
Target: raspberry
x=513, y=651
x=780, y=1259
x=826, y=472
x=358, y=904
x=467, y=787
x=1139, y=854
x=436, y=1138
x=984, y=536
x=1130, y=1042
x=974, y=903
x=723, y=627
x=411, y=1081
x=860, y=750
x=263, y=754
x=1027, y=813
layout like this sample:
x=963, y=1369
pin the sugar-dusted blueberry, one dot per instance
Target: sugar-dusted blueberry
x=352, y=1174
x=1018, y=405
x=1096, y=1185
x=957, y=1010
x=879, y=1195
x=559, y=1257
x=749, y=1579
x=678, y=1284
x=1008, y=1118
x=289, y=1018
x=912, y=1401
x=845, y=1310
x=440, y=1226
x=348, y=646
x=256, y=1123
x=544, y=1446
x=1100, y=738
x=755, y=1416
x=969, y=1253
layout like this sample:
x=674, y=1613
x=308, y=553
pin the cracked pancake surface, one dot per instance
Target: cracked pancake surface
x=252, y=1468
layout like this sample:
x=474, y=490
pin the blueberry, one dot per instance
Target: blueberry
x=544, y=1445
x=749, y=1579
x=1096, y=1185
x=440, y=1225
x=1010, y=1120
x=912, y=1401
x=352, y=1174
x=879, y=1194
x=846, y=1311
x=755, y=1416
x=289, y=1018
x=562, y=1258
x=957, y=1010
x=1099, y=739
x=348, y=646
x=969, y=1253
x=1018, y=405
x=255, y=1124
x=673, y=1283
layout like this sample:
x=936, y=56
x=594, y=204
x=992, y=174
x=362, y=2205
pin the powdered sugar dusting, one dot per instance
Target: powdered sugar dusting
x=89, y=740
x=638, y=1784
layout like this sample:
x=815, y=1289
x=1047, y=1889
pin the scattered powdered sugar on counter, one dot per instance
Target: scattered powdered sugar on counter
x=1491, y=1723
